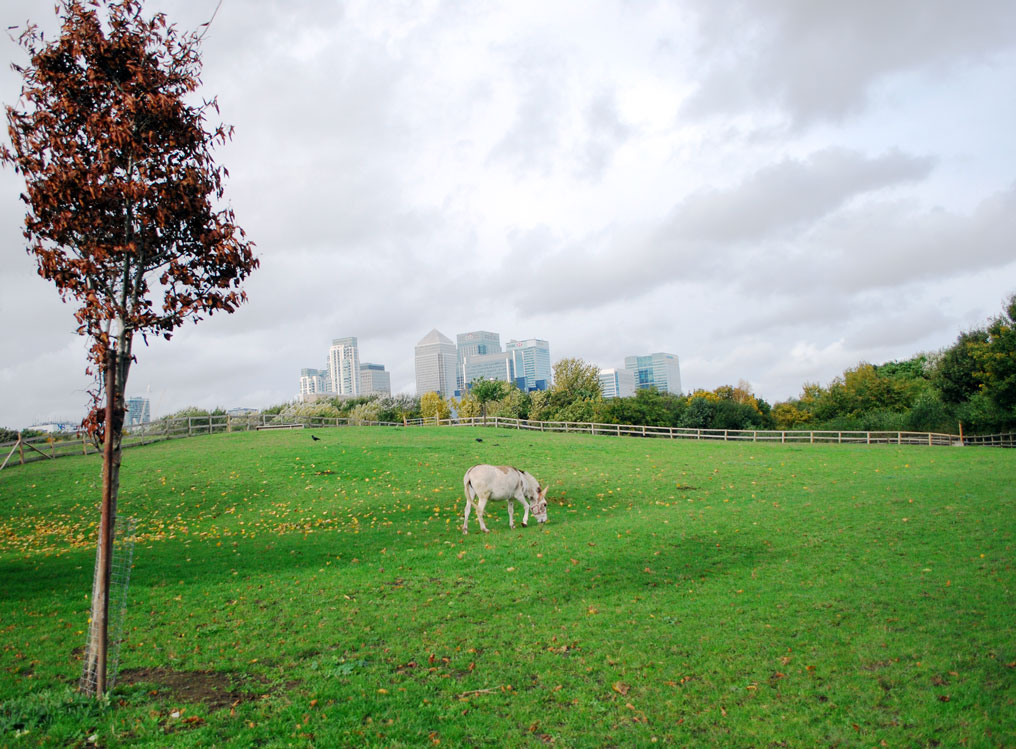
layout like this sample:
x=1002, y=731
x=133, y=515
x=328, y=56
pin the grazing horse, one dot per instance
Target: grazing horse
x=503, y=483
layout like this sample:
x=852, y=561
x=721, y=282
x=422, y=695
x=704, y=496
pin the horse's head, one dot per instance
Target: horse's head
x=539, y=506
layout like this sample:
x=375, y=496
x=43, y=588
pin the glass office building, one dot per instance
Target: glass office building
x=661, y=371
x=475, y=343
x=531, y=360
x=617, y=383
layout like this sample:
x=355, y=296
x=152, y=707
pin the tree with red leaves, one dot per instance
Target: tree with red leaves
x=124, y=199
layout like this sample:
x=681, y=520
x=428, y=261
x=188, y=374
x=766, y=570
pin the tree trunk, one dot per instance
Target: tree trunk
x=116, y=368
x=94, y=679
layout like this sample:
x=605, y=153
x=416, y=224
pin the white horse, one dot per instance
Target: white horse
x=486, y=482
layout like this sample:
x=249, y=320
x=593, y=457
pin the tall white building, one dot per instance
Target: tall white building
x=344, y=366
x=531, y=360
x=374, y=379
x=661, y=371
x=314, y=382
x=617, y=383
x=436, y=360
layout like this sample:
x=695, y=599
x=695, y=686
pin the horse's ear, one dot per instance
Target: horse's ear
x=543, y=492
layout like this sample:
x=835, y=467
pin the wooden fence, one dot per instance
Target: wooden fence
x=25, y=450
x=726, y=435
x=992, y=440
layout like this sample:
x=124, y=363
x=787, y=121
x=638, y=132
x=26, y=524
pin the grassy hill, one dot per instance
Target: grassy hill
x=296, y=592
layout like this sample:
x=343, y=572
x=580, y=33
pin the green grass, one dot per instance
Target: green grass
x=682, y=592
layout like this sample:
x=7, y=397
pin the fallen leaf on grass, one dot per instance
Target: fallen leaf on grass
x=620, y=688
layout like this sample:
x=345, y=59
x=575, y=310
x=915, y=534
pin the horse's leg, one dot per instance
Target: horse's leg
x=525, y=517
x=465, y=520
x=481, y=505
x=511, y=514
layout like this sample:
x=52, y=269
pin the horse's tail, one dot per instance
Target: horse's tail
x=468, y=487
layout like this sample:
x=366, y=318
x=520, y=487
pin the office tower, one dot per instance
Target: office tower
x=476, y=343
x=617, y=383
x=659, y=370
x=436, y=358
x=374, y=379
x=531, y=359
x=344, y=366
x=314, y=382
x=498, y=366
x=139, y=411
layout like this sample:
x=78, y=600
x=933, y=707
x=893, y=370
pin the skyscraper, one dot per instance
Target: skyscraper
x=659, y=370
x=314, y=382
x=436, y=358
x=139, y=411
x=374, y=379
x=617, y=383
x=344, y=366
x=497, y=366
x=531, y=359
x=476, y=343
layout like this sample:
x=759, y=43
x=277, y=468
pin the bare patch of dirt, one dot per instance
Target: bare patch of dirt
x=214, y=689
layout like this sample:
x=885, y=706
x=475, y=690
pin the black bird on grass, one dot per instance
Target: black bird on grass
x=478, y=439
x=316, y=439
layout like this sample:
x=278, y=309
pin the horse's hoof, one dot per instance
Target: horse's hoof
x=525, y=525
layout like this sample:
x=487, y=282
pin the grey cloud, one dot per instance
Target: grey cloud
x=884, y=245
x=711, y=229
x=898, y=330
x=606, y=132
x=782, y=197
x=530, y=142
x=817, y=61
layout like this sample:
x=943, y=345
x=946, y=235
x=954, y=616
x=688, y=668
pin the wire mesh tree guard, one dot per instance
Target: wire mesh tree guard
x=124, y=537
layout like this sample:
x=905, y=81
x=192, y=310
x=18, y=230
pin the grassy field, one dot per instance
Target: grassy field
x=288, y=592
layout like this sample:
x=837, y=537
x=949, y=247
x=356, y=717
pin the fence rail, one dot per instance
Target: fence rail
x=992, y=440
x=25, y=450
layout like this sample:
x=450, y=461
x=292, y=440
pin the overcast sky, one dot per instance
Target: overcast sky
x=773, y=190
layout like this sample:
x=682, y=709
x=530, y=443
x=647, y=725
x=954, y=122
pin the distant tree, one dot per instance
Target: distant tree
x=539, y=406
x=700, y=413
x=647, y=407
x=122, y=197
x=433, y=406
x=998, y=361
x=8, y=435
x=514, y=404
x=789, y=416
x=575, y=379
x=957, y=373
x=486, y=391
x=575, y=391
x=915, y=368
x=468, y=407
x=397, y=408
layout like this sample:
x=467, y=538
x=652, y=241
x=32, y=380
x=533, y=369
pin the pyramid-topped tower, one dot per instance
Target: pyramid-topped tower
x=436, y=359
